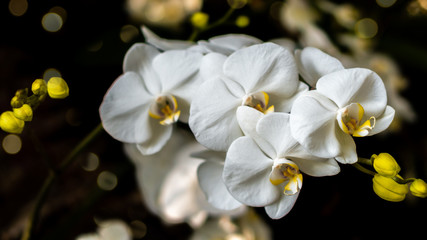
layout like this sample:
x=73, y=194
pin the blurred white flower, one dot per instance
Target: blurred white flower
x=264, y=168
x=168, y=181
x=109, y=230
x=165, y=13
x=346, y=103
x=259, y=76
x=246, y=227
x=152, y=94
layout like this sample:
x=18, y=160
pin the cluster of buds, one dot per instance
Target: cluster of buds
x=389, y=185
x=23, y=105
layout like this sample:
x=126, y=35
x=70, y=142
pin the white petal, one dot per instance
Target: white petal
x=285, y=105
x=124, y=110
x=356, y=85
x=159, y=137
x=177, y=69
x=383, y=121
x=227, y=44
x=313, y=64
x=263, y=67
x=162, y=43
x=139, y=59
x=209, y=174
x=211, y=65
x=281, y=207
x=246, y=174
x=348, y=154
x=213, y=115
x=274, y=128
x=313, y=124
x=312, y=165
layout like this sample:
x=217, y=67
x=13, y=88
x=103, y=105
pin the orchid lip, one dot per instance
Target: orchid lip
x=259, y=101
x=349, y=119
x=286, y=171
x=165, y=109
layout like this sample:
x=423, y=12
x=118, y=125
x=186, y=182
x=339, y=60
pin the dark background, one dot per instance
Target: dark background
x=340, y=207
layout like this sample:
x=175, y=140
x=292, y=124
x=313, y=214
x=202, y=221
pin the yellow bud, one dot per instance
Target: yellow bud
x=25, y=113
x=385, y=165
x=9, y=123
x=17, y=102
x=199, y=19
x=387, y=189
x=39, y=87
x=57, y=88
x=242, y=21
x=22, y=93
x=418, y=188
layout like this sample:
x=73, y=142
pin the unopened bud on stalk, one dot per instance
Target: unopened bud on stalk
x=9, y=123
x=57, y=88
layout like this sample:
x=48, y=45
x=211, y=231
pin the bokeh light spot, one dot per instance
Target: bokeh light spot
x=386, y=3
x=107, y=180
x=12, y=144
x=18, y=7
x=139, y=229
x=366, y=28
x=51, y=72
x=52, y=22
x=91, y=163
x=128, y=33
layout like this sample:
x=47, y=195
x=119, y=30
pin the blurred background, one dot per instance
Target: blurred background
x=84, y=41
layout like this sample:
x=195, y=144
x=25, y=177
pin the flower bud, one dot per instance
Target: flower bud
x=57, y=88
x=39, y=87
x=9, y=123
x=199, y=19
x=387, y=189
x=418, y=188
x=22, y=93
x=17, y=102
x=385, y=165
x=25, y=113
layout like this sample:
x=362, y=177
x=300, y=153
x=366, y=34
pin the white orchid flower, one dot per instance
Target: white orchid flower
x=346, y=103
x=260, y=76
x=313, y=64
x=154, y=92
x=264, y=169
x=168, y=181
x=113, y=229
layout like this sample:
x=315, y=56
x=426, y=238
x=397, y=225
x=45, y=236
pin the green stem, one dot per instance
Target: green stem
x=41, y=196
x=217, y=23
x=403, y=181
x=362, y=169
x=365, y=161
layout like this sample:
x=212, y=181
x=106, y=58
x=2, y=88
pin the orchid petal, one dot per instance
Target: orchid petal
x=246, y=174
x=384, y=121
x=313, y=64
x=263, y=67
x=139, y=59
x=281, y=207
x=212, y=115
x=210, y=179
x=124, y=110
x=313, y=123
x=159, y=137
x=227, y=44
x=356, y=85
x=162, y=43
x=211, y=65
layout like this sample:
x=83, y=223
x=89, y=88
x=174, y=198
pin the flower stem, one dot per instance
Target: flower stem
x=41, y=196
x=217, y=23
x=363, y=169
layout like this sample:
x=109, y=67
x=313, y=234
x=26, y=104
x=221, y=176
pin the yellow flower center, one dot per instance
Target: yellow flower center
x=165, y=108
x=259, y=101
x=350, y=118
x=286, y=171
